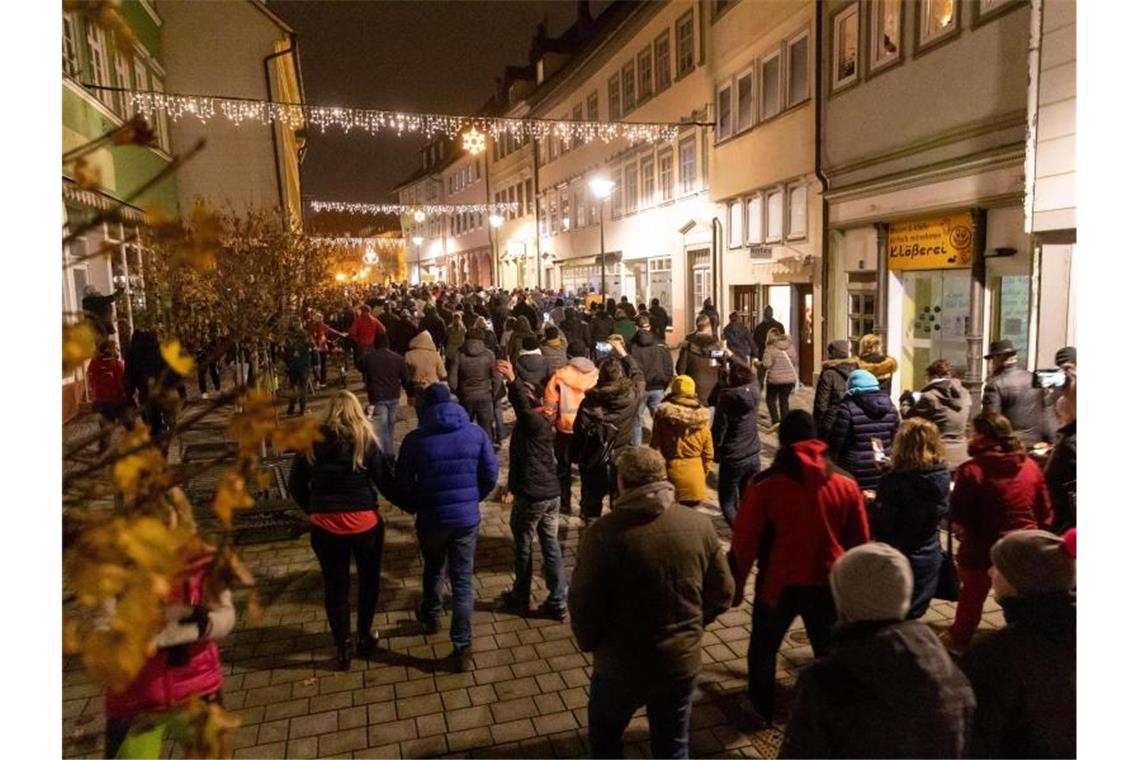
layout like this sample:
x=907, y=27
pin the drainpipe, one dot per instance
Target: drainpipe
x=882, y=281
x=975, y=376
x=825, y=239
x=272, y=129
x=717, y=238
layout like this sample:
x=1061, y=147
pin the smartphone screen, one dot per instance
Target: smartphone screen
x=877, y=447
x=602, y=348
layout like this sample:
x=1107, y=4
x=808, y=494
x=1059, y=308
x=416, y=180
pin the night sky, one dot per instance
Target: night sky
x=440, y=56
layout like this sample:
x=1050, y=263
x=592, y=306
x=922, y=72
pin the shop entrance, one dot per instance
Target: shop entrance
x=793, y=307
x=700, y=283
x=935, y=312
x=746, y=302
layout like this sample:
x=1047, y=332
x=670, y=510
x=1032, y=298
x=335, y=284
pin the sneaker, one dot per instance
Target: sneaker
x=508, y=603
x=550, y=612
x=459, y=661
x=430, y=624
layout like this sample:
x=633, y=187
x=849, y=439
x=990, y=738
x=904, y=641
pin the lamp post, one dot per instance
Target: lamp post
x=496, y=221
x=601, y=187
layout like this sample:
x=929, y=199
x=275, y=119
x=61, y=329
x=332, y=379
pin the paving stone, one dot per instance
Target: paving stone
x=276, y=749
x=311, y=725
x=273, y=731
x=548, y=703
x=555, y=722
x=432, y=746
x=520, y=687
x=391, y=733
x=430, y=725
x=482, y=695
x=343, y=741
x=550, y=682
x=352, y=717
x=414, y=688
x=371, y=694
x=382, y=712
x=415, y=706
x=331, y=701
x=514, y=709
x=302, y=748
x=288, y=709
x=511, y=731
x=471, y=717
x=459, y=741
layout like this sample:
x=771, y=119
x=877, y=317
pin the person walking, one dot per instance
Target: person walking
x=601, y=327
x=363, y=331
x=603, y=427
x=553, y=348
x=1061, y=468
x=434, y=326
x=862, y=430
x=658, y=319
x=887, y=688
x=873, y=360
x=912, y=500
x=782, y=367
x=533, y=480
x=206, y=358
x=739, y=340
x=298, y=355
x=456, y=336
x=531, y=365
x=446, y=467
x=385, y=373
x=564, y=393
x=760, y=336
x=832, y=384
x=681, y=433
x=736, y=435
x=648, y=579
x=699, y=358
x=337, y=483
x=1017, y=395
x=108, y=392
x=148, y=380
x=625, y=326
x=425, y=367
x=656, y=365
x=709, y=310
x=805, y=513
x=997, y=491
x=577, y=333
x=945, y=402
x=475, y=380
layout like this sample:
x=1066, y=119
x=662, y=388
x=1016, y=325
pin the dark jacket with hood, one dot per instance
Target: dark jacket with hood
x=601, y=327
x=696, y=361
x=524, y=309
x=385, y=374
x=534, y=369
x=858, y=419
x=658, y=321
x=881, y=366
x=649, y=577
x=577, y=334
x=654, y=359
x=533, y=474
x=625, y=327
x=946, y=403
x=332, y=482
x=473, y=375
x=760, y=334
x=1061, y=478
x=1025, y=680
x=739, y=340
x=1017, y=394
x=554, y=353
x=401, y=333
x=830, y=390
x=735, y=431
x=436, y=328
x=887, y=689
x=603, y=427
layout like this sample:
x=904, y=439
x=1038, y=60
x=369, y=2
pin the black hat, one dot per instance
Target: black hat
x=797, y=426
x=1066, y=355
x=1001, y=347
x=530, y=343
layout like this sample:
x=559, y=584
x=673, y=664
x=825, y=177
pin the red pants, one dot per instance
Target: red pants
x=971, y=599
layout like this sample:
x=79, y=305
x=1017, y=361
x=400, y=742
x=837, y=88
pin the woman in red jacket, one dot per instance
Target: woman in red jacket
x=997, y=491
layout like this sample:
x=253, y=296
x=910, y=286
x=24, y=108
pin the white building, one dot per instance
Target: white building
x=424, y=238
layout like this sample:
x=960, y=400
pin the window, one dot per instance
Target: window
x=123, y=79
x=627, y=88
x=630, y=188
x=592, y=107
x=845, y=47
x=724, y=112
x=939, y=18
x=592, y=204
x=100, y=71
x=553, y=208
x=860, y=314
x=661, y=60
x=542, y=230
x=688, y=165
x=735, y=224
x=886, y=26
x=644, y=75
x=775, y=215
x=614, y=90
x=564, y=208
x=530, y=196
x=685, y=56
x=163, y=134
x=577, y=116
x=755, y=220
x=617, y=198
x=798, y=70
x=770, y=71
x=70, y=46
x=665, y=165
x=744, y=100
x=648, y=177
x=797, y=212
x=579, y=205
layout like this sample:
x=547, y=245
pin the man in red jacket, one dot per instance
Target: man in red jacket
x=796, y=518
x=364, y=330
x=108, y=392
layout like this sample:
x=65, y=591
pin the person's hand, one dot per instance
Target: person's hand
x=727, y=352
x=619, y=346
x=506, y=370
x=868, y=495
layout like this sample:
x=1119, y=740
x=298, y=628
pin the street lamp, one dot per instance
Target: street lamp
x=496, y=221
x=602, y=187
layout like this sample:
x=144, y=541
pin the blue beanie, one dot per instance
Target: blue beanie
x=436, y=393
x=861, y=381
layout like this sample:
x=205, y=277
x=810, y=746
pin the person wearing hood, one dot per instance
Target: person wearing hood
x=782, y=367
x=402, y=331
x=1017, y=395
x=564, y=393
x=456, y=335
x=577, y=333
x=601, y=327
x=363, y=331
x=435, y=326
x=424, y=366
x=698, y=360
x=736, y=435
x=521, y=332
x=1025, y=675
x=945, y=402
x=385, y=373
x=553, y=348
x=708, y=309
x=531, y=365
x=625, y=326
x=764, y=329
x=603, y=427
x=656, y=364
x=997, y=491
x=298, y=357
x=872, y=359
x=147, y=380
x=912, y=500
x=524, y=309
x=739, y=340
x=832, y=384
x=862, y=429
x=474, y=378
x=658, y=318
x=887, y=688
x=648, y=579
x=446, y=467
x=681, y=433
x=804, y=513
x=558, y=313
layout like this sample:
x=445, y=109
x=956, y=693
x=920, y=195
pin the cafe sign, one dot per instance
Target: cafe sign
x=943, y=242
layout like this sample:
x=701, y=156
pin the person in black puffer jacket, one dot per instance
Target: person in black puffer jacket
x=656, y=363
x=866, y=413
x=739, y=339
x=832, y=384
x=530, y=365
x=736, y=434
x=602, y=429
x=696, y=359
x=475, y=380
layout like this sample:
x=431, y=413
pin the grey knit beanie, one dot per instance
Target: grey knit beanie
x=1035, y=562
x=871, y=582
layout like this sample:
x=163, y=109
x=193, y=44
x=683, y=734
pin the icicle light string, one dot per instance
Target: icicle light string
x=370, y=241
x=296, y=115
x=418, y=211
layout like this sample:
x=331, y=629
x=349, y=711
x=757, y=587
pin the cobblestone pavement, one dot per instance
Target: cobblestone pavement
x=526, y=697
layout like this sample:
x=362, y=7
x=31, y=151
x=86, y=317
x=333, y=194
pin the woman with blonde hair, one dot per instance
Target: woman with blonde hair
x=912, y=499
x=872, y=359
x=336, y=484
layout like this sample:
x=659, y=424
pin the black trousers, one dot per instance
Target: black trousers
x=770, y=624
x=564, y=467
x=215, y=376
x=482, y=413
x=778, y=393
x=334, y=552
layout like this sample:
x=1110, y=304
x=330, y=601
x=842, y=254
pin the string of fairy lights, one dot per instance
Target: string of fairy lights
x=419, y=212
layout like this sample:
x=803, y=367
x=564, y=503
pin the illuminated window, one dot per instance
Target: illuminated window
x=648, y=176
x=685, y=54
x=614, y=90
x=886, y=27
x=661, y=60
x=688, y=165
x=630, y=188
x=644, y=75
x=939, y=19
x=665, y=165
x=735, y=224
x=775, y=216
x=627, y=88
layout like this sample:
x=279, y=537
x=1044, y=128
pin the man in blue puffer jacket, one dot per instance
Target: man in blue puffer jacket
x=865, y=414
x=446, y=467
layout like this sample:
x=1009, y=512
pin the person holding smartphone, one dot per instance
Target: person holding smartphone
x=865, y=415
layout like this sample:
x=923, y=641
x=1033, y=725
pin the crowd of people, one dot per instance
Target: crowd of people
x=843, y=526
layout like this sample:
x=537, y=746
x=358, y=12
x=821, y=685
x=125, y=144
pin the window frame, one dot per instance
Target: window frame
x=627, y=107
x=632, y=188
x=723, y=123
x=644, y=74
x=690, y=141
x=576, y=115
x=778, y=56
x=158, y=85
x=70, y=29
x=923, y=43
x=613, y=93
x=529, y=184
x=564, y=219
x=617, y=197
x=769, y=237
x=849, y=12
x=122, y=99
x=805, y=37
x=662, y=74
x=592, y=106
x=791, y=234
x=737, y=119
x=666, y=179
x=97, y=53
x=686, y=19
x=875, y=64
x=735, y=217
x=580, y=212
x=648, y=195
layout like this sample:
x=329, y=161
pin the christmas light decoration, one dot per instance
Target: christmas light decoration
x=370, y=256
x=418, y=212
x=419, y=216
x=474, y=141
x=371, y=242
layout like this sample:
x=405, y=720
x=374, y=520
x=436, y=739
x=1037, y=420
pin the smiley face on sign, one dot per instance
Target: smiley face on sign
x=961, y=238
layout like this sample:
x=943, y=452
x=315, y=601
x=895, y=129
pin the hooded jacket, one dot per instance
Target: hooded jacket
x=696, y=361
x=533, y=473
x=735, y=430
x=105, y=379
x=946, y=403
x=996, y=493
x=435, y=328
x=385, y=373
x=649, y=577
x=332, y=482
x=601, y=327
x=858, y=419
x=474, y=376
x=446, y=467
x=1061, y=478
x=830, y=390
x=887, y=689
x=1017, y=394
x=566, y=389
x=554, y=353
x=739, y=340
x=364, y=330
x=612, y=406
x=760, y=334
x=456, y=335
x=881, y=366
x=534, y=369
x=625, y=327
x=577, y=334
x=658, y=321
x=654, y=359
x=781, y=363
x=425, y=365
x=681, y=433
x=796, y=518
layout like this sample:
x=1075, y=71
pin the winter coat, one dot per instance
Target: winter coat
x=515, y=344
x=601, y=327
x=886, y=689
x=425, y=366
x=1061, y=478
x=658, y=321
x=524, y=309
x=781, y=362
x=881, y=366
x=1017, y=395
x=1025, y=679
x=474, y=376
x=760, y=334
x=602, y=429
x=456, y=335
x=435, y=328
x=364, y=330
x=144, y=366
x=654, y=359
x=996, y=493
x=446, y=467
x=332, y=482
x=830, y=390
x=735, y=433
x=533, y=474
x=385, y=373
x=649, y=577
x=105, y=379
x=906, y=514
x=626, y=328
x=946, y=403
x=696, y=361
x=577, y=334
x=681, y=433
x=555, y=354
x=566, y=389
x=796, y=518
x=534, y=369
x=401, y=334
x=739, y=340
x=858, y=419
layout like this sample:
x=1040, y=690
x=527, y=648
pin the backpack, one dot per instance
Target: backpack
x=598, y=447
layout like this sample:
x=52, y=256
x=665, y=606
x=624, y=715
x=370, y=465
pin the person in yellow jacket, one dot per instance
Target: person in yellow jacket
x=682, y=433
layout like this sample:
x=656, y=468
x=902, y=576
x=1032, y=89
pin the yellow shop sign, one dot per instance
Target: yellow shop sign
x=945, y=242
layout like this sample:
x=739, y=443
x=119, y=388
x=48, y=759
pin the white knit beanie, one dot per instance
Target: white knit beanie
x=872, y=582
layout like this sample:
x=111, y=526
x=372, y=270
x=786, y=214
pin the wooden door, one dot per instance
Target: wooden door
x=804, y=301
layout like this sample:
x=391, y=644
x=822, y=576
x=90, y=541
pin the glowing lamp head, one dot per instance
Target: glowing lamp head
x=496, y=220
x=341, y=277
x=419, y=216
x=601, y=187
x=417, y=240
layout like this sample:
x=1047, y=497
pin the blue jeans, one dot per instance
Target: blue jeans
x=668, y=706
x=456, y=547
x=526, y=518
x=651, y=400
x=384, y=421
x=730, y=481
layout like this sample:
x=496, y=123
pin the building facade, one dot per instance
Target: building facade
x=425, y=239
x=468, y=257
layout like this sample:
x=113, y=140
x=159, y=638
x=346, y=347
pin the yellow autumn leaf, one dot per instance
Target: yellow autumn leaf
x=85, y=175
x=231, y=496
x=114, y=656
x=176, y=358
x=78, y=345
x=134, y=473
x=298, y=434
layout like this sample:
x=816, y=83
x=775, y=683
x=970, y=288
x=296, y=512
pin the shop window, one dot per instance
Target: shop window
x=744, y=100
x=886, y=25
x=661, y=282
x=755, y=221
x=845, y=47
x=860, y=315
x=798, y=70
x=735, y=224
x=1010, y=318
x=797, y=212
x=938, y=19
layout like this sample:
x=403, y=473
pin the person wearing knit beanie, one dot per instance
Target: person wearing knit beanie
x=1028, y=562
x=871, y=582
x=530, y=344
x=683, y=385
x=861, y=381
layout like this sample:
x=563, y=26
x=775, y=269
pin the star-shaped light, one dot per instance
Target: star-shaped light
x=370, y=256
x=474, y=142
